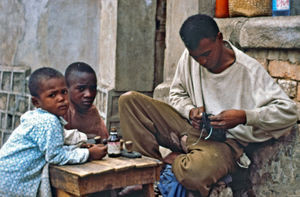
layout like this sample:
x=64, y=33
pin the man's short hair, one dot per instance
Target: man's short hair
x=77, y=67
x=44, y=73
x=197, y=27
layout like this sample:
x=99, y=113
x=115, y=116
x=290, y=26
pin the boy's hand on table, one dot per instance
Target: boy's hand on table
x=97, y=151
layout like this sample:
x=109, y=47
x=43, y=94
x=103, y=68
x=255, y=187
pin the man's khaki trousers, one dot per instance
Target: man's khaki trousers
x=150, y=123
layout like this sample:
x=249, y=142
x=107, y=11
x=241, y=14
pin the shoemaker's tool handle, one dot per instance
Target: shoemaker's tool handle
x=129, y=146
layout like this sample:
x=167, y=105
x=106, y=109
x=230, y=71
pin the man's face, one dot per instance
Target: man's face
x=53, y=96
x=82, y=90
x=208, y=53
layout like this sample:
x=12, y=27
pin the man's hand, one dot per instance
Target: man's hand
x=97, y=151
x=228, y=119
x=196, y=116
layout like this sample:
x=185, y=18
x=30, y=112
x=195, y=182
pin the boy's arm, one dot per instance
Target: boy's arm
x=51, y=143
x=74, y=137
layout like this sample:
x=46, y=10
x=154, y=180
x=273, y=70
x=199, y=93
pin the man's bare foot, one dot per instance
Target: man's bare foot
x=170, y=158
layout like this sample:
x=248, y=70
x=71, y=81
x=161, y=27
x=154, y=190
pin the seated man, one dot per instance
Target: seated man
x=215, y=77
x=82, y=114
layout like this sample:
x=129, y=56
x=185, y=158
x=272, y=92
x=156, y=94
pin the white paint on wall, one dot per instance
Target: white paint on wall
x=148, y=2
x=33, y=11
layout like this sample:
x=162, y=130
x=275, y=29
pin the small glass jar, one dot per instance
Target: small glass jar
x=113, y=143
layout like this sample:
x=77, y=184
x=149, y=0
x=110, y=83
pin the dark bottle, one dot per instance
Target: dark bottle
x=113, y=143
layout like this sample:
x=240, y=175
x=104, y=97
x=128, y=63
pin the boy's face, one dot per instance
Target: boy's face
x=82, y=90
x=53, y=96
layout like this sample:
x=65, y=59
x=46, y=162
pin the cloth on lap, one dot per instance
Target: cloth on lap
x=168, y=184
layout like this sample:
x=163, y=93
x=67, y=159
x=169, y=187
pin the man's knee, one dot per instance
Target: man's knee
x=127, y=97
x=185, y=170
x=188, y=173
x=200, y=168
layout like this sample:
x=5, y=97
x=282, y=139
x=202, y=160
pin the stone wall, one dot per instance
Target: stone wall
x=49, y=33
x=275, y=169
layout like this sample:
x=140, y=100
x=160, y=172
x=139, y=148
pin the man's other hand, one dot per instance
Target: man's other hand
x=228, y=119
x=196, y=117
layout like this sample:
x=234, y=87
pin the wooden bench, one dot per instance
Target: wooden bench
x=105, y=174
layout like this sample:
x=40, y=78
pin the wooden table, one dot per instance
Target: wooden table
x=106, y=174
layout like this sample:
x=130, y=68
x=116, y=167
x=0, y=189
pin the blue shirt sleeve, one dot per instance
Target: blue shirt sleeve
x=50, y=140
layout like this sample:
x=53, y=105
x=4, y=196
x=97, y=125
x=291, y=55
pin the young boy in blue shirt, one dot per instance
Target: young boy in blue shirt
x=39, y=139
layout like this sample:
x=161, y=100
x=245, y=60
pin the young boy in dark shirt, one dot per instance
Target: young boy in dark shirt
x=39, y=139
